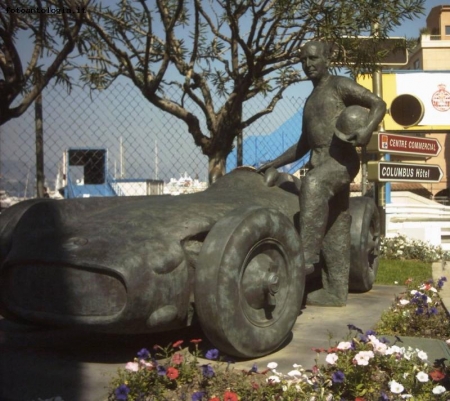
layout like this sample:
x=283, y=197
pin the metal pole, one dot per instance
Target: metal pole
x=380, y=196
x=380, y=186
x=40, y=177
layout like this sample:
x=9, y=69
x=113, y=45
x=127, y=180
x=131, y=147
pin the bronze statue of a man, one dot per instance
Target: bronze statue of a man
x=324, y=195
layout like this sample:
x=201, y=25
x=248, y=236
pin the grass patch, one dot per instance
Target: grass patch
x=392, y=271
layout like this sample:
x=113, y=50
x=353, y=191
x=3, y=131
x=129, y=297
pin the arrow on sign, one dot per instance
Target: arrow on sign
x=404, y=172
x=384, y=142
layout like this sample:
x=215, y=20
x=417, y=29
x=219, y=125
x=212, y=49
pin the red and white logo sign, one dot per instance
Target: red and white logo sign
x=441, y=99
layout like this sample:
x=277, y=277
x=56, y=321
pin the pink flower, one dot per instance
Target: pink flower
x=132, y=366
x=177, y=343
x=177, y=359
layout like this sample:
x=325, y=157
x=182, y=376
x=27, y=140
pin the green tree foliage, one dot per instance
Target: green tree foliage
x=53, y=27
x=235, y=49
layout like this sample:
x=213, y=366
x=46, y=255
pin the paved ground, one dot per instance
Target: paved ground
x=42, y=363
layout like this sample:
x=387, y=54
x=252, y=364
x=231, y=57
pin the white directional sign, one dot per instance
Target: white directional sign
x=403, y=172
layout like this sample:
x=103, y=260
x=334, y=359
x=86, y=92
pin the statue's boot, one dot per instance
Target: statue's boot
x=336, y=269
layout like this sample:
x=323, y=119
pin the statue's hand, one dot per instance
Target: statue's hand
x=361, y=137
x=264, y=167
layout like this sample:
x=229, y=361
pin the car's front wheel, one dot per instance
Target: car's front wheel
x=250, y=282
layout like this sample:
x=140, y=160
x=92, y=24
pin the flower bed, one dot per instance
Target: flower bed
x=363, y=367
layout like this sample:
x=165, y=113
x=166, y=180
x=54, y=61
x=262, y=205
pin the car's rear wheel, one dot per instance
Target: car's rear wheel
x=249, y=282
x=365, y=244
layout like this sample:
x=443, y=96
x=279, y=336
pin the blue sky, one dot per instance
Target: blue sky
x=411, y=28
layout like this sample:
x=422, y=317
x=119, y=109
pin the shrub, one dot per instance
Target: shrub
x=402, y=247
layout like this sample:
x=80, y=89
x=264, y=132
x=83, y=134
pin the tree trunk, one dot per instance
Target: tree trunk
x=216, y=166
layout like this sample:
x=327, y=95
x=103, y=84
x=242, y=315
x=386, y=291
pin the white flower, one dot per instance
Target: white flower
x=405, y=375
x=404, y=396
x=396, y=387
x=363, y=357
x=295, y=373
x=414, y=292
x=297, y=366
x=404, y=302
x=147, y=365
x=273, y=379
x=448, y=341
x=408, y=354
x=422, y=377
x=422, y=355
x=284, y=387
x=396, y=282
x=272, y=365
x=439, y=390
x=378, y=346
x=331, y=358
x=344, y=345
x=395, y=349
x=132, y=366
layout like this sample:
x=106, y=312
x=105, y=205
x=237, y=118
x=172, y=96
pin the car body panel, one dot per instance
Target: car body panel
x=122, y=265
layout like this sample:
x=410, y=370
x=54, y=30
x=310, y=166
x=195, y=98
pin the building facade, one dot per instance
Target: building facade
x=433, y=48
x=418, y=100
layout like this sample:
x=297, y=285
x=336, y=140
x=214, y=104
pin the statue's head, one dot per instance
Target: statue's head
x=315, y=59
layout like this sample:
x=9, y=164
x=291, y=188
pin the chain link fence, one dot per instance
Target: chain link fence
x=117, y=135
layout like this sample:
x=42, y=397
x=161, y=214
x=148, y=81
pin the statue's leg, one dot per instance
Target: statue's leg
x=336, y=252
x=313, y=198
x=320, y=187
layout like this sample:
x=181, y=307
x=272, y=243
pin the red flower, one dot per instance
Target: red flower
x=172, y=373
x=333, y=349
x=230, y=396
x=360, y=399
x=196, y=341
x=319, y=350
x=177, y=343
x=437, y=375
x=177, y=359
